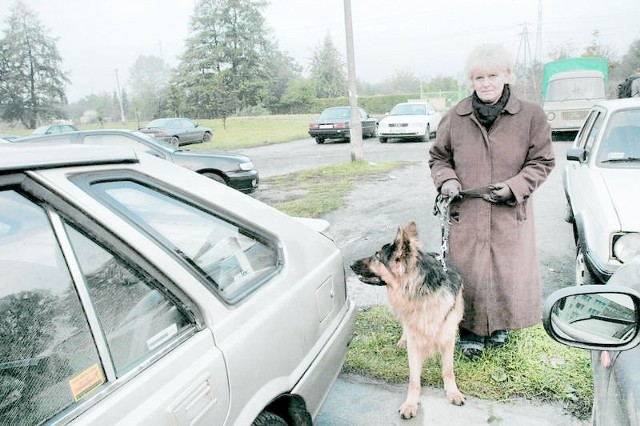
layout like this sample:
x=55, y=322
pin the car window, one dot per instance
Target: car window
x=335, y=113
x=48, y=359
x=581, y=137
x=593, y=133
x=232, y=259
x=621, y=140
x=137, y=319
x=57, y=346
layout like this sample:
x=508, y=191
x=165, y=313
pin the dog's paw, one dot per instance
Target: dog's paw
x=408, y=410
x=402, y=343
x=456, y=397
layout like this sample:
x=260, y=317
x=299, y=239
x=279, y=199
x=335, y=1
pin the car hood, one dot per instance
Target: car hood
x=621, y=186
x=403, y=119
x=208, y=160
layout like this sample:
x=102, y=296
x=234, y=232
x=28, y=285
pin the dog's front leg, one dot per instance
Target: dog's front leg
x=448, y=377
x=416, y=358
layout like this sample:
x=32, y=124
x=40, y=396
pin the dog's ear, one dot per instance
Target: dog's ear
x=402, y=243
x=412, y=229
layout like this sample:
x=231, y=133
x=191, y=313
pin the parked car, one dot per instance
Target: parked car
x=52, y=129
x=178, y=131
x=409, y=120
x=333, y=123
x=8, y=136
x=234, y=170
x=137, y=292
x=601, y=186
x=606, y=320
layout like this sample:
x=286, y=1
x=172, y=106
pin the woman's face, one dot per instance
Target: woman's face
x=489, y=84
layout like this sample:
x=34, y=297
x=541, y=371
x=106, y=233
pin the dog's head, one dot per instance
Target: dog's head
x=392, y=259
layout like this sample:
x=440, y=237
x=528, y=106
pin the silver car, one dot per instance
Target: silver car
x=137, y=292
x=601, y=186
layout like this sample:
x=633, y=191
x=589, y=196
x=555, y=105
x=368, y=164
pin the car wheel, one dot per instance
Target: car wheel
x=268, y=419
x=568, y=213
x=215, y=177
x=175, y=141
x=382, y=140
x=583, y=274
x=319, y=140
x=427, y=134
x=206, y=137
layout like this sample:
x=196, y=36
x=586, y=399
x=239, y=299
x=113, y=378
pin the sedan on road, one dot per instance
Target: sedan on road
x=333, y=123
x=52, y=129
x=409, y=120
x=177, y=131
x=137, y=292
x=601, y=187
x=234, y=170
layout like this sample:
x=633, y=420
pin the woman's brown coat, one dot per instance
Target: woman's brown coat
x=494, y=245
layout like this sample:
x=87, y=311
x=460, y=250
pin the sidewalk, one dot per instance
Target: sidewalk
x=358, y=401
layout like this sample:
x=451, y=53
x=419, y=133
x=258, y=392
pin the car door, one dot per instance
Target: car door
x=100, y=335
x=189, y=131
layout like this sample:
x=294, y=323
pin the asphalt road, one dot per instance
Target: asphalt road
x=375, y=209
x=369, y=218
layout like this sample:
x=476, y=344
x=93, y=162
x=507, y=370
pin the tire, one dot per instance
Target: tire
x=269, y=419
x=382, y=140
x=206, y=137
x=174, y=141
x=215, y=177
x=568, y=213
x=319, y=141
x=427, y=134
x=583, y=275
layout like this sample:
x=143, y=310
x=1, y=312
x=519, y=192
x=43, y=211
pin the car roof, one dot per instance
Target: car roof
x=25, y=156
x=619, y=103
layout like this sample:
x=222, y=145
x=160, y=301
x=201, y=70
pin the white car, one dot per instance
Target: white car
x=409, y=120
x=601, y=185
x=137, y=292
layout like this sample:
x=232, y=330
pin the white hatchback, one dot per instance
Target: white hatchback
x=409, y=120
x=601, y=185
x=137, y=292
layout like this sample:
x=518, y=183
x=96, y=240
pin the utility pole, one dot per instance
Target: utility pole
x=122, y=117
x=354, y=123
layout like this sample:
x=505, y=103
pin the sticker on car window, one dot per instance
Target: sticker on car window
x=615, y=155
x=85, y=382
x=161, y=337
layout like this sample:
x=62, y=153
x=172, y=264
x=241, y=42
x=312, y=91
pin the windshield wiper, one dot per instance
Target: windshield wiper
x=621, y=160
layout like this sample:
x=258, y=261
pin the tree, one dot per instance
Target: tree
x=148, y=80
x=401, y=81
x=228, y=64
x=299, y=97
x=327, y=70
x=32, y=85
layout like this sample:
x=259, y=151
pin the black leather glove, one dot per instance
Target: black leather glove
x=451, y=188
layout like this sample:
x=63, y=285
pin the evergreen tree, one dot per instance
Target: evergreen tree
x=32, y=85
x=328, y=70
x=229, y=64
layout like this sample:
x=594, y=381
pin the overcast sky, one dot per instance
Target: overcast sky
x=428, y=38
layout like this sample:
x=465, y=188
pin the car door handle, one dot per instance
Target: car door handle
x=193, y=403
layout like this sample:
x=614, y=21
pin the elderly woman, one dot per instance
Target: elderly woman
x=491, y=153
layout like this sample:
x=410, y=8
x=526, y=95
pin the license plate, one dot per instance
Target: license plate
x=325, y=126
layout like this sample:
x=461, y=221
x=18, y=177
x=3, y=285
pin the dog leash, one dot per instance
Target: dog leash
x=441, y=209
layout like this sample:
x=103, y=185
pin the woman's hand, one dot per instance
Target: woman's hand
x=451, y=188
x=500, y=193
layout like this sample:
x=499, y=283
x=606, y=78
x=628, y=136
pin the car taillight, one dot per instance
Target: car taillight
x=340, y=126
x=313, y=126
x=161, y=133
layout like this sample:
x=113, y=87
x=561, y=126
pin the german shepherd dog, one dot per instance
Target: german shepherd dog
x=428, y=301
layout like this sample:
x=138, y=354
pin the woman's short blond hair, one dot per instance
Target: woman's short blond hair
x=489, y=57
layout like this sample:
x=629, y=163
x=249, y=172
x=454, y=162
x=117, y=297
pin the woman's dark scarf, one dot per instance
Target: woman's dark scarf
x=487, y=113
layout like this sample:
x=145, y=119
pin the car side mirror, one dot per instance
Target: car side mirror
x=576, y=154
x=593, y=317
